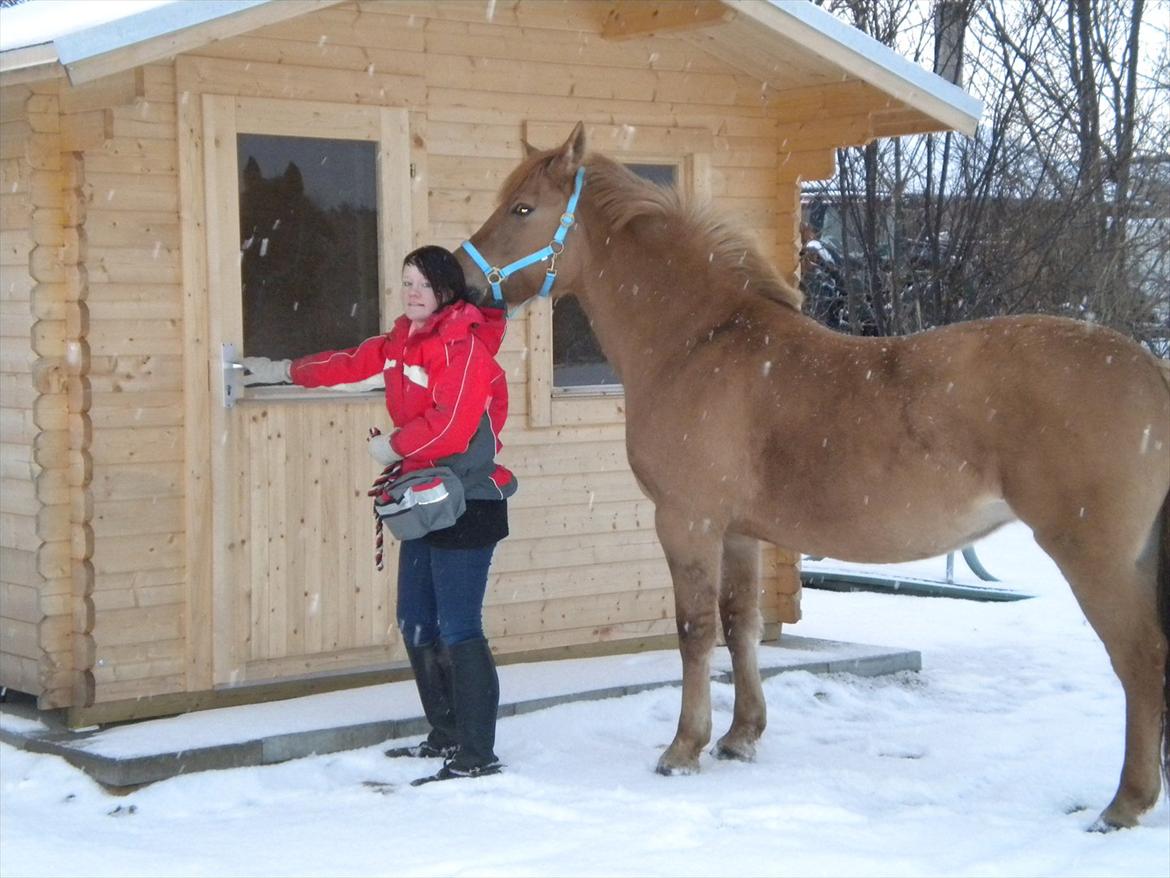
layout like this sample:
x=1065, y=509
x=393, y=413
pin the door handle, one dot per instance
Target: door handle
x=233, y=375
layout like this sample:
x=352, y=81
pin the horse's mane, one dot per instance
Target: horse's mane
x=622, y=197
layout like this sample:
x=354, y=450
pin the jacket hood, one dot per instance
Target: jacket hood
x=463, y=319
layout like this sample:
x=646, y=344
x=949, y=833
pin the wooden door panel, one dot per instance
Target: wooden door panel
x=307, y=553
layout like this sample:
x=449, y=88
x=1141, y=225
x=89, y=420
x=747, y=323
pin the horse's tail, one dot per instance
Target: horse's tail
x=1164, y=615
x=1163, y=584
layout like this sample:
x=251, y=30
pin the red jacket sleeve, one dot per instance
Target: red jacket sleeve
x=360, y=365
x=460, y=395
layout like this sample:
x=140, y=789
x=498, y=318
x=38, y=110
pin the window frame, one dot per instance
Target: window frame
x=388, y=128
x=689, y=150
x=611, y=389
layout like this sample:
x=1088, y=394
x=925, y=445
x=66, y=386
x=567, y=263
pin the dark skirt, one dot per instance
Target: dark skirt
x=484, y=523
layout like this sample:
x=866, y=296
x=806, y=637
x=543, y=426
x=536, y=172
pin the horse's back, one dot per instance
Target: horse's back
x=1051, y=377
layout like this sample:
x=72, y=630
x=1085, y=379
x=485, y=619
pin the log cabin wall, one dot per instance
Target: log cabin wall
x=108, y=577
x=583, y=565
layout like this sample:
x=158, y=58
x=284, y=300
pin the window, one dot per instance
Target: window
x=308, y=243
x=578, y=363
x=308, y=216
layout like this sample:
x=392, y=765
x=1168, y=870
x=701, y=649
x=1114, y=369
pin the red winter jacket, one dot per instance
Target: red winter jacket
x=443, y=388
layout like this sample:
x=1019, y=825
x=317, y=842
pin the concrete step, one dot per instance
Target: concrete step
x=132, y=754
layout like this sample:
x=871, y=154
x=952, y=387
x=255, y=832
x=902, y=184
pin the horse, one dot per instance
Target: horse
x=746, y=420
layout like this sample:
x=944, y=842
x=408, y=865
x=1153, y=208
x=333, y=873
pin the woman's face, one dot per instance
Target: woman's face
x=418, y=299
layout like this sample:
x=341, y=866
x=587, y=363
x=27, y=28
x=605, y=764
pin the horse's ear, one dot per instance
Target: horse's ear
x=529, y=149
x=294, y=183
x=571, y=155
x=252, y=175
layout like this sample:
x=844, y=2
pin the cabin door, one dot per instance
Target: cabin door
x=308, y=219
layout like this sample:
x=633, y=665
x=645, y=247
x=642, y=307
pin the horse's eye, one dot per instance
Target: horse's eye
x=522, y=209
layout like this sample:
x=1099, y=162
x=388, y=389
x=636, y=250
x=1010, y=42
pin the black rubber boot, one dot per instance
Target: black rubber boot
x=432, y=675
x=476, y=687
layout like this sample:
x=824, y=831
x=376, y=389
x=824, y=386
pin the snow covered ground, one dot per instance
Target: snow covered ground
x=991, y=761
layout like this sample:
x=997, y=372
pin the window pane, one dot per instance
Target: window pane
x=308, y=244
x=577, y=357
x=663, y=175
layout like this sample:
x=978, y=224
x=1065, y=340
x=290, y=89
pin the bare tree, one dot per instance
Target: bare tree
x=1059, y=204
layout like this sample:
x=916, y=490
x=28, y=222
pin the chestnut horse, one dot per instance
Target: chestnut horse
x=746, y=420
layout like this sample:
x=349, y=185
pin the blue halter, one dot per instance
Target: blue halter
x=496, y=276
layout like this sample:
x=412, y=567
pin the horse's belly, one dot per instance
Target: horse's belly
x=880, y=533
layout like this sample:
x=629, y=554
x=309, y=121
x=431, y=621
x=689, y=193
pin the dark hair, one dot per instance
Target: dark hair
x=444, y=273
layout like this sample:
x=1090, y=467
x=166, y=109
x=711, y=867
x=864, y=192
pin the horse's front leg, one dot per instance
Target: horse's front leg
x=739, y=610
x=693, y=553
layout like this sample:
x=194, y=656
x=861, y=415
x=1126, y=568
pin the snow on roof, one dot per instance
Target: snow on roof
x=43, y=21
x=863, y=56
x=95, y=38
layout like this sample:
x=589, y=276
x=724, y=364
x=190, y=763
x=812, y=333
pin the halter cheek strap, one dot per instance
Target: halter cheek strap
x=496, y=276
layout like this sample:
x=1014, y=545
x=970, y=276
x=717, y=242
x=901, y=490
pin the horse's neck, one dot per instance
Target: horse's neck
x=644, y=301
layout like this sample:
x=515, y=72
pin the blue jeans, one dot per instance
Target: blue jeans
x=440, y=592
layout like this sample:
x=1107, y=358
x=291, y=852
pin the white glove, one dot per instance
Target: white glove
x=381, y=450
x=261, y=370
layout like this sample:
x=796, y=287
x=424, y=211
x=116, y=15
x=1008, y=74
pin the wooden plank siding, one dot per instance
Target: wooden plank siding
x=21, y=577
x=106, y=578
x=135, y=330
x=93, y=569
x=45, y=414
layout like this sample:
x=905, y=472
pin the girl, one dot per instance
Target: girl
x=448, y=399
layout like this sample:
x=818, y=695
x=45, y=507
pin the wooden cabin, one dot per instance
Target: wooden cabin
x=198, y=181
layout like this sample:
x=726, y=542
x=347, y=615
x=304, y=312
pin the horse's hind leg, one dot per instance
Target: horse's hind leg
x=693, y=554
x=739, y=610
x=1118, y=597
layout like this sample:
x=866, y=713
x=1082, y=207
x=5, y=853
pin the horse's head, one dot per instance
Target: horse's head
x=532, y=239
x=285, y=238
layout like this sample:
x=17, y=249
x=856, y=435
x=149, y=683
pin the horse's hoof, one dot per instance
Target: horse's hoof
x=1124, y=812
x=738, y=752
x=671, y=769
x=1104, y=824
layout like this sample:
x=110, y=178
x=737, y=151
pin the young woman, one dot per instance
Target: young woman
x=448, y=399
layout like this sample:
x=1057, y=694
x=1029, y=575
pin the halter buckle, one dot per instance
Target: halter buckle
x=494, y=277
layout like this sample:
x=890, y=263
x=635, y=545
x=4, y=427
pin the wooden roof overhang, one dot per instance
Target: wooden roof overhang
x=814, y=68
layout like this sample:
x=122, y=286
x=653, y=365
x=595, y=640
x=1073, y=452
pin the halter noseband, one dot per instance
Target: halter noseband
x=496, y=276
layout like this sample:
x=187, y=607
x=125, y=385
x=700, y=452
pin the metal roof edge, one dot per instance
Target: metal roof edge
x=863, y=56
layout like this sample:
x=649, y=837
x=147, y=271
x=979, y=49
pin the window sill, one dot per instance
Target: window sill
x=590, y=391
x=266, y=395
